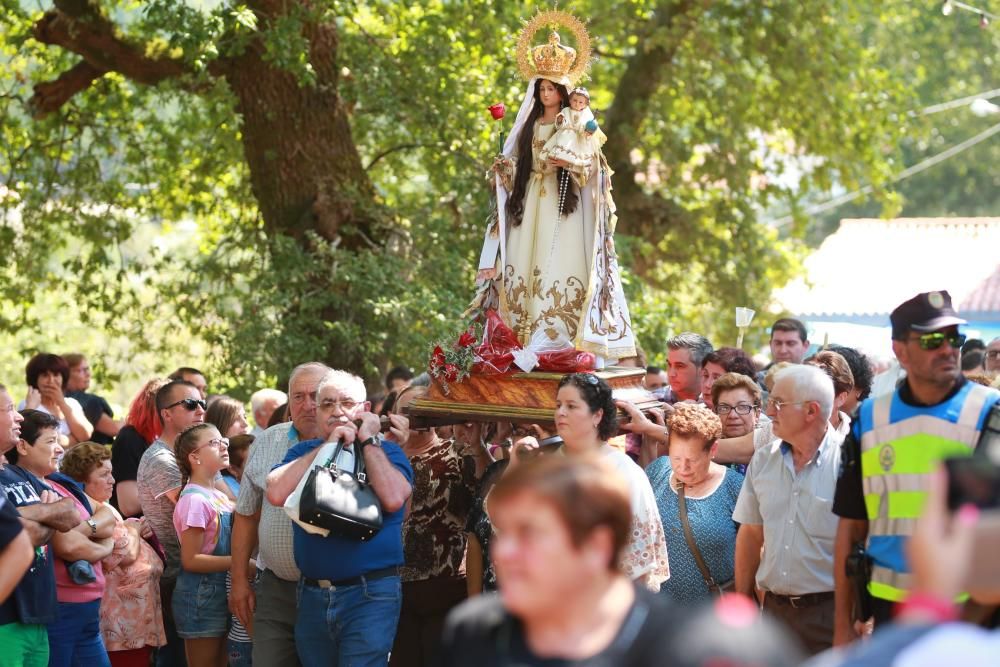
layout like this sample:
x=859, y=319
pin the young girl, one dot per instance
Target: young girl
x=577, y=140
x=203, y=521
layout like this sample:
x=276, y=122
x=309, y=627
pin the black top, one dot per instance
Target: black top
x=480, y=632
x=849, y=498
x=93, y=407
x=34, y=599
x=125, y=456
x=10, y=523
x=478, y=522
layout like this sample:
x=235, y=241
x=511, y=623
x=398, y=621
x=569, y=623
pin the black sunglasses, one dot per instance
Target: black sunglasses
x=190, y=404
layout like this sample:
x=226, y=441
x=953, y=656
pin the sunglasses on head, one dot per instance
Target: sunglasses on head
x=934, y=340
x=190, y=404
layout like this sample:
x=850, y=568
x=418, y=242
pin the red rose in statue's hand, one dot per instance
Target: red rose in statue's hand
x=450, y=372
x=467, y=339
x=497, y=110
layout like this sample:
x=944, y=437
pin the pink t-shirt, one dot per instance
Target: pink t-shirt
x=66, y=590
x=201, y=507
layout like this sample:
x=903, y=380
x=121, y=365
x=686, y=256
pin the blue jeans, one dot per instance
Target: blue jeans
x=349, y=626
x=75, y=636
x=240, y=653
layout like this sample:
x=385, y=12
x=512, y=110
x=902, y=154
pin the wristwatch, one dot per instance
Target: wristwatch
x=372, y=440
x=93, y=527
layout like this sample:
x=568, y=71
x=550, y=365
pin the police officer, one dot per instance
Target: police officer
x=895, y=444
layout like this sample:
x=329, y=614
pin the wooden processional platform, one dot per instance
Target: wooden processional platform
x=516, y=397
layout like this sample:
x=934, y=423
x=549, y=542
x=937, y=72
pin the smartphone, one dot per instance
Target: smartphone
x=976, y=479
x=545, y=446
x=550, y=443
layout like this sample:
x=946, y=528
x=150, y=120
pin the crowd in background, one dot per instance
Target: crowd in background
x=717, y=526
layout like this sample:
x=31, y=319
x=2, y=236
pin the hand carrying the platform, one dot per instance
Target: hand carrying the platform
x=641, y=424
x=399, y=429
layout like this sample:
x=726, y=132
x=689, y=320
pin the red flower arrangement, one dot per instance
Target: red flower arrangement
x=450, y=363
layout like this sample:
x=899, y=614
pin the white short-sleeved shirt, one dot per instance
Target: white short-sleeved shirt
x=796, y=511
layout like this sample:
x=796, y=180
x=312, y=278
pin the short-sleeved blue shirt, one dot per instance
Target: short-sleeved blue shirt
x=335, y=557
x=711, y=520
x=34, y=599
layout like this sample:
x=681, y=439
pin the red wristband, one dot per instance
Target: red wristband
x=925, y=604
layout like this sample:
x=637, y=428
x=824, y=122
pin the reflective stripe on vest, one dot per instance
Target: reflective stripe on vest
x=901, y=446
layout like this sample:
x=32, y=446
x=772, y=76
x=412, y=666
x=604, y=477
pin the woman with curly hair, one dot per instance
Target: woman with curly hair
x=131, y=618
x=696, y=497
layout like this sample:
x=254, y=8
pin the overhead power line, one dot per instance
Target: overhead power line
x=906, y=173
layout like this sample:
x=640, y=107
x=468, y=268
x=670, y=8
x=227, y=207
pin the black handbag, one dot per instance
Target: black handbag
x=341, y=501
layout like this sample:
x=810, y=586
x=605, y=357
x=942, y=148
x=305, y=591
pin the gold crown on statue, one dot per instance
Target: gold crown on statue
x=554, y=60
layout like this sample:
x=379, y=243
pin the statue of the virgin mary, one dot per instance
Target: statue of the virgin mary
x=549, y=262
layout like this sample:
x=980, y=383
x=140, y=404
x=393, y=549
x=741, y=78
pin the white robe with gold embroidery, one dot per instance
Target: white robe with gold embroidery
x=560, y=274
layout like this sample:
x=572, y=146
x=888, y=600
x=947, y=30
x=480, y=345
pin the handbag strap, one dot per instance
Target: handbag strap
x=359, y=461
x=692, y=545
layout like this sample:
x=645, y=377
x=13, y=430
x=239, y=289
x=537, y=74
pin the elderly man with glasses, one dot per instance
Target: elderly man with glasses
x=349, y=596
x=785, y=507
x=896, y=442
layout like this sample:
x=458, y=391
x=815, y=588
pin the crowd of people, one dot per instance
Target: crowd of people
x=724, y=527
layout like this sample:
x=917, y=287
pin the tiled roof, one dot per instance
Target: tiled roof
x=869, y=266
x=985, y=298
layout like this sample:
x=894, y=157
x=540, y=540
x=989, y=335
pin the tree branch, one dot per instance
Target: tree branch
x=76, y=26
x=401, y=147
x=50, y=95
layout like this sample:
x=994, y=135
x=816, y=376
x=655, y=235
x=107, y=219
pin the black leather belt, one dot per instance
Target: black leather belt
x=797, y=601
x=353, y=581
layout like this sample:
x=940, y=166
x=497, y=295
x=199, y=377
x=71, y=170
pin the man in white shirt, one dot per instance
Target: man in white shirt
x=785, y=507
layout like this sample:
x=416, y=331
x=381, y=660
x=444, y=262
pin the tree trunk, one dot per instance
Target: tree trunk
x=305, y=169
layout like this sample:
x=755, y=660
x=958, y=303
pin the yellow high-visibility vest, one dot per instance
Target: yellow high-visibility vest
x=901, y=445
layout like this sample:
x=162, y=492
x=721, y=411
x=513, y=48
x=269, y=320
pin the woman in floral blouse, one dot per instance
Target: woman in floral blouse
x=586, y=416
x=131, y=616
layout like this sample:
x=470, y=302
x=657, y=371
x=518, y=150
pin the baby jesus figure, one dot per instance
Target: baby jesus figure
x=577, y=140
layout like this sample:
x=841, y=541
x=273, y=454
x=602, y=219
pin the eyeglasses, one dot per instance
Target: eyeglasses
x=779, y=405
x=993, y=354
x=740, y=409
x=190, y=404
x=345, y=405
x=935, y=339
x=217, y=443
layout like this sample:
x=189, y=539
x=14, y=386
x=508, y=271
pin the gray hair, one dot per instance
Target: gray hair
x=809, y=383
x=696, y=344
x=262, y=396
x=422, y=380
x=354, y=385
x=309, y=366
